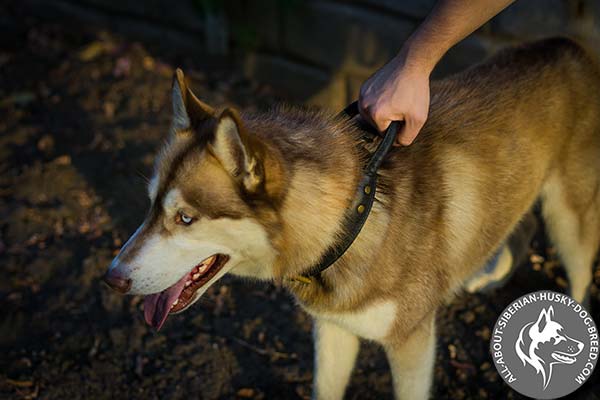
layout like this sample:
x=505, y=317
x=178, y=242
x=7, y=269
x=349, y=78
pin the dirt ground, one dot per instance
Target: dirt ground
x=81, y=116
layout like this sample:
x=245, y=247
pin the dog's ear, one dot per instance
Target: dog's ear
x=236, y=151
x=188, y=110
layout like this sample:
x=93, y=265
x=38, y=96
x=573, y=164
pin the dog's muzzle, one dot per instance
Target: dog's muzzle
x=117, y=282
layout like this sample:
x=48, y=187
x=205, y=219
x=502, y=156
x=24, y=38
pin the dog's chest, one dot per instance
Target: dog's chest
x=373, y=322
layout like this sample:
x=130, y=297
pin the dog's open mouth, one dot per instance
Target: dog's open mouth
x=563, y=358
x=176, y=298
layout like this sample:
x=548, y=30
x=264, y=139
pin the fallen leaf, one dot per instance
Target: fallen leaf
x=148, y=63
x=91, y=51
x=63, y=160
x=245, y=392
x=21, y=384
x=109, y=109
x=452, y=350
x=536, y=259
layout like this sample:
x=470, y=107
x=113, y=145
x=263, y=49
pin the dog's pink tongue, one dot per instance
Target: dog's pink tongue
x=157, y=306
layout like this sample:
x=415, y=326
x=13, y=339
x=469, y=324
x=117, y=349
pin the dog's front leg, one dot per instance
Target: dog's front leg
x=412, y=362
x=335, y=355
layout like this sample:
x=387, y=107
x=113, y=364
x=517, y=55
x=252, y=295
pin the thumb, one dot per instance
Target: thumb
x=408, y=132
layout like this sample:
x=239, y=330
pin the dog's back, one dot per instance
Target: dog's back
x=521, y=126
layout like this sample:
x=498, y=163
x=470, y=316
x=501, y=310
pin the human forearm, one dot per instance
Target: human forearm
x=449, y=22
x=399, y=91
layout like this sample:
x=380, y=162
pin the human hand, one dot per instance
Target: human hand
x=396, y=92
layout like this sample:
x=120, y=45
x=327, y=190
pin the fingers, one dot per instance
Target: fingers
x=374, y=118
x=407, y=132
x=369, y=117
x=410, y=129
x=410, y=105
x=396, y=93
x=382, y=124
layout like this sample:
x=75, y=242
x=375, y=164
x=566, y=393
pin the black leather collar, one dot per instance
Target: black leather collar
x=358, y=212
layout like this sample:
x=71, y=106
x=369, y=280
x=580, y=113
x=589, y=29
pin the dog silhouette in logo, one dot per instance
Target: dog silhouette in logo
x=543, y=343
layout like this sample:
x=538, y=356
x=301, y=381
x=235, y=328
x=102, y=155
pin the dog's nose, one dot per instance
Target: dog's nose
x=117, y=282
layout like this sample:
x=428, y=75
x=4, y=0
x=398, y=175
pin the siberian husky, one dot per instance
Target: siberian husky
x=263, y=195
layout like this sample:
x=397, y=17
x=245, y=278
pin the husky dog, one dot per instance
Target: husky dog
x=543, y=343
x=263, y=195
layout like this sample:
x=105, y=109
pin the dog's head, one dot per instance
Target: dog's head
x=211, y=204
x=544, y=343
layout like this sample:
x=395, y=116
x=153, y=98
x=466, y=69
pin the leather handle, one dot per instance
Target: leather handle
x=383, y=149
x=385, y=145
x=351, y=110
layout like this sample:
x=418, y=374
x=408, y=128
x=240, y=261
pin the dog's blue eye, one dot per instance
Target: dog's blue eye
x=184, y=219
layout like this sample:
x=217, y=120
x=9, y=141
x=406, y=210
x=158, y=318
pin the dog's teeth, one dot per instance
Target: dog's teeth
x=188, y=283
x=202, y=269
x=196, y=277
x=175, y=302
x=208, y=262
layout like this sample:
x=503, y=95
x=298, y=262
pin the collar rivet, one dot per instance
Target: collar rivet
x=365, y=197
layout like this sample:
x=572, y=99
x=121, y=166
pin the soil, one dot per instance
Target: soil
x=82, y=114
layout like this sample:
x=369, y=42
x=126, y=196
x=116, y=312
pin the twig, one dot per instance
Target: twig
x=21, y=384
x=462, y=365
x=263, y=352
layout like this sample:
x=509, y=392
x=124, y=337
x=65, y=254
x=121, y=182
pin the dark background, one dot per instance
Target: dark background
x=84, y=105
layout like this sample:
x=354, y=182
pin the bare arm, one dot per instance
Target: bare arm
x=400, y=90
